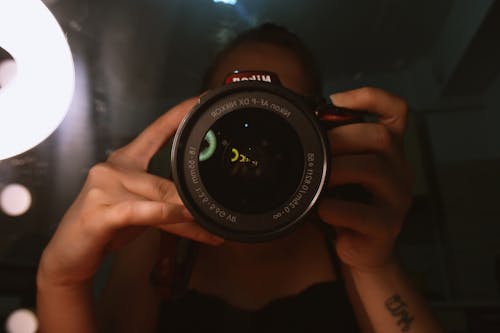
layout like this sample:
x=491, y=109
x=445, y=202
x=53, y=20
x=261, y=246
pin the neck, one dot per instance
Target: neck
x=251, y=275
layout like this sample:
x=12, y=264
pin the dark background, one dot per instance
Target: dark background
x=136, y=58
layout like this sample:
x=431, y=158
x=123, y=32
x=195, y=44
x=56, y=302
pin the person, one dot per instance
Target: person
x=299, y=282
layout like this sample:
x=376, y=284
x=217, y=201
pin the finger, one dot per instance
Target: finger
x=194, y=232
x=364, y=219
x=373, y=173
x=150, y=186
x=139, y=152
x=143, y=213
x=391, y=110
x=361, y=139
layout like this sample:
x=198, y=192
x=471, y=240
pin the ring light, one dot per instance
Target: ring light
x=36, y=100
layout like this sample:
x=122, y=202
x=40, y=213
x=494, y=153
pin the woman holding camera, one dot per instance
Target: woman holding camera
x=298, y=282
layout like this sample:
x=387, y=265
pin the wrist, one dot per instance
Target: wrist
x=389, y=266
x=50, y=275
x=64, y=307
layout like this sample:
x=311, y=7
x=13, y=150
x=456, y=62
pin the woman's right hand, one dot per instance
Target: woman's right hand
x=118, y=201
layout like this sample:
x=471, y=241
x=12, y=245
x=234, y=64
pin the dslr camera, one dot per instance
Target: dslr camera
x=251, y=159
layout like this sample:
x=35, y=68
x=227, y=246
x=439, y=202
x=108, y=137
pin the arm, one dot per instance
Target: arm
x=128, y=302
x=64, y=308
x=371, y=155
x=386, y=301
x=118, y=202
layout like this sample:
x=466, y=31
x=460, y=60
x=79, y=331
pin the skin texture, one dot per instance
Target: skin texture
x=121, y=207
x=118, y=202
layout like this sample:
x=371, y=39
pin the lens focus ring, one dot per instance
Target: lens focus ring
x=250, y=161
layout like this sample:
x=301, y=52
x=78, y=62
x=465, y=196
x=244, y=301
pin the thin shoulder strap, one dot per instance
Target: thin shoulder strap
x=170, y=275
x=187, y=250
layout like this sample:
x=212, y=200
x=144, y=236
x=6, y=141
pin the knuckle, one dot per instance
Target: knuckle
x=122, y=212
x=99, y=171
x=164, y=213
x=95, y=194
x=164, y=189
x=382, y=138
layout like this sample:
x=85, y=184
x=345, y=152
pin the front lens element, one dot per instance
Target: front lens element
x=256, y=164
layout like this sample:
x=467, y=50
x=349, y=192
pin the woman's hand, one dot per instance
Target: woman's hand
x=118, y=201
x=369, y=154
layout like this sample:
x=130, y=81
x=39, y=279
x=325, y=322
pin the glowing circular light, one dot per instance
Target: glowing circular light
x=21, y=321
x=15, y=200
x=36, y=100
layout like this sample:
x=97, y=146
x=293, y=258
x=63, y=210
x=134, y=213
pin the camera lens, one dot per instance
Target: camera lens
x=250, y=161
x=257, y=163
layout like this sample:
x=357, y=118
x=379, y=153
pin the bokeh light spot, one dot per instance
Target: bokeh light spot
x=22, y=321
x=15, y=199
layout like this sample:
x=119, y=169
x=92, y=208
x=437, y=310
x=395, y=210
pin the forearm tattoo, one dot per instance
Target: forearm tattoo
x=399, y=309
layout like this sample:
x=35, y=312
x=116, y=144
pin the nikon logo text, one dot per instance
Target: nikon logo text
x=254, y=77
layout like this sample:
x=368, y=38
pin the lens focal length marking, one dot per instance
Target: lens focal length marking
x=201, y=195
x=219, y=212
x=302, y=191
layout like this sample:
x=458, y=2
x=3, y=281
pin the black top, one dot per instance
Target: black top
x=323, y=307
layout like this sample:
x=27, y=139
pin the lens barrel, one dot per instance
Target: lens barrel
x=250, y=161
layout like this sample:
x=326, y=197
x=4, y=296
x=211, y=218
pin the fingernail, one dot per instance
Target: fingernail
x=337, y=98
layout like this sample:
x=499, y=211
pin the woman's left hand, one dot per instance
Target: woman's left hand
x=371, y=155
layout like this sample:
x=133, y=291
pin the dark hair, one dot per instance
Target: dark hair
x=278, y=36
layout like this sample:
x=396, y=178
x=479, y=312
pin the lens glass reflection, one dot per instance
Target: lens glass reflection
x=251, y=161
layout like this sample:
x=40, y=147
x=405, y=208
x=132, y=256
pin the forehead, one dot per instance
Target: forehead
x=266, y=57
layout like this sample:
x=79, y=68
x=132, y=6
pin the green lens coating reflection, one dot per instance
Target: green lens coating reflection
x=209, y=150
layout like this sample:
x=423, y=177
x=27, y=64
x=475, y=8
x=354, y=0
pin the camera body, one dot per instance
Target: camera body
x=251, y=159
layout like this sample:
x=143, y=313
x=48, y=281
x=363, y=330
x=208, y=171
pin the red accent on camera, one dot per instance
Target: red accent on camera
x=334, y=115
